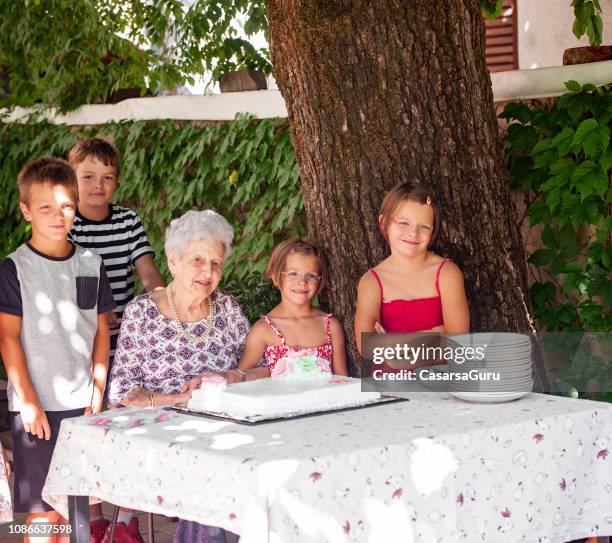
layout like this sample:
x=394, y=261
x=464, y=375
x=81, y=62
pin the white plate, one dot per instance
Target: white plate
x=510, y=363
x=492, y=390
x=506, y=351
x=498, y=339
x=487, y=397
x=509, y=353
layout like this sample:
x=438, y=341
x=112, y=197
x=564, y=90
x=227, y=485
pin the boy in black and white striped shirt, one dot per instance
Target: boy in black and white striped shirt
x=113, y=232
x=117, y=235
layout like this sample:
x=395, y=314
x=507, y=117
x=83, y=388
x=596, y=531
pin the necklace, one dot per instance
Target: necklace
x=181, y=327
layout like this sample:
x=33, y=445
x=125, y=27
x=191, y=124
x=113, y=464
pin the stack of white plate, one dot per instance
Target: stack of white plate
x=505, y=372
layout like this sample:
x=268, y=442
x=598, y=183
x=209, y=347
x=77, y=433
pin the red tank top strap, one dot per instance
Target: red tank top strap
x=378, y=281
x=328, y=327
x=274, y=327
x=438, y=274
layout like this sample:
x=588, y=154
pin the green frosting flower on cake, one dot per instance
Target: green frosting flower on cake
x=307, y=364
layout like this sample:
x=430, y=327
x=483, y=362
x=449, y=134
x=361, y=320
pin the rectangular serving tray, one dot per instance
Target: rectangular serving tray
x=258, y=419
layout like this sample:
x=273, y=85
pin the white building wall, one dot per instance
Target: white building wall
x=544, y=31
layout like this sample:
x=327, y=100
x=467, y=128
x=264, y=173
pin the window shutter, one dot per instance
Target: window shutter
x=501, y=46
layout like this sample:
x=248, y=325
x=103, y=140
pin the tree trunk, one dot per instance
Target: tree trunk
x=385, y=91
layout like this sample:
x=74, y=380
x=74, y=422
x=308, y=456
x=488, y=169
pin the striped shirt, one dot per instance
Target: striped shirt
x=120, y=240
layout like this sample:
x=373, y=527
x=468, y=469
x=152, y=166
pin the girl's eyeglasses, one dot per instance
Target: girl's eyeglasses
x=407, y=226
x=295, y=277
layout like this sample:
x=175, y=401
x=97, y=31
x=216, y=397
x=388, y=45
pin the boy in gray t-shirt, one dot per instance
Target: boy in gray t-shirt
x=54, y=337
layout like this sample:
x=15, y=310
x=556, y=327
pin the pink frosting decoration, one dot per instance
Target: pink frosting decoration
x=213, y=379
x=280, y=368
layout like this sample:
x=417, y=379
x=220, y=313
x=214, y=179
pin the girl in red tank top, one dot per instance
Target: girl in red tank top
x=412, y=290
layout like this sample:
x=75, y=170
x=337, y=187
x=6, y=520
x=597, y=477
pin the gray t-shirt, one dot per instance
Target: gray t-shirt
x=58, y=300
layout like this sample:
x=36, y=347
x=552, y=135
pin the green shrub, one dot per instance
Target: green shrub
x=244, y=169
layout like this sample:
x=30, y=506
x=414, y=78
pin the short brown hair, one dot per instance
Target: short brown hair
x=55, y=171
x=415, y=192
x=300, y=246
x=98, y=148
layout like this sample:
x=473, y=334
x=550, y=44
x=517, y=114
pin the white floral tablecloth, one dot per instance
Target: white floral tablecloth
x=432, y=469
x=6, y=505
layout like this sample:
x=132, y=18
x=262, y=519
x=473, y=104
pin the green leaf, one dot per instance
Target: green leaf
x=542, y=145
x=600, y=285
x=582, y=13
x=521, y=136
x=491, y=8
x=571, y=252
x=595, y=251
x=518, y=111
x=550, y=237
x=572, y=85
x=588, y=177
x=557, y=265
x=592, y=210
x=563, y=140
x=542, y=257
x=543, y=292
x=606, y=161
x=591, y=137
x=538, y=212
x=595, y=30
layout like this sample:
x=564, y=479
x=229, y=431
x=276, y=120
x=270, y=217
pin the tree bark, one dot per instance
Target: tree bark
x=385, y=91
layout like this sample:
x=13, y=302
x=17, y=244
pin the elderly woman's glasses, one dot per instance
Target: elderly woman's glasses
x=295, y=277
x=200, y=262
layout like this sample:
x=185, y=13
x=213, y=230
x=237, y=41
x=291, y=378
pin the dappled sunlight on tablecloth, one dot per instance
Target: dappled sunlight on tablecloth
x=230, y=441
x=430, y=464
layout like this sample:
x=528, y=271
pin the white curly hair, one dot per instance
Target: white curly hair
x=195, y=225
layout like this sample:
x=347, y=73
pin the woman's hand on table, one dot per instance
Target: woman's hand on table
x=194, y=383
x=173, y=399
x=141, y=397
x=137, y=397
x=235, y=376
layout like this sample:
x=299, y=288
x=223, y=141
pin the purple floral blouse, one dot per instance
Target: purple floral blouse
x=151, y=352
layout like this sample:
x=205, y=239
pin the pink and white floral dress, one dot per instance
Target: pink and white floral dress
x=299, y=362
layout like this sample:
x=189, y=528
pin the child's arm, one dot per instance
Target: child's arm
x=101, y=351
x=32, y=414
x=368, y=307
x=148, y=273
x=7, y=463
x=339, y=352
x=455, y=310
x=254, y=347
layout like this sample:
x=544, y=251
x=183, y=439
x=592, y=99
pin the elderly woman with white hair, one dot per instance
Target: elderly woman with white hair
x=170, y=337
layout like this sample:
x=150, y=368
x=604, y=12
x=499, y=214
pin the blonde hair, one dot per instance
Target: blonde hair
x=415, y=192
x=55, y=171
x=300, y=246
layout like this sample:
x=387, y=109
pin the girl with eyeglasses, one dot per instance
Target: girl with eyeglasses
x=297, y=340
x=413, y=289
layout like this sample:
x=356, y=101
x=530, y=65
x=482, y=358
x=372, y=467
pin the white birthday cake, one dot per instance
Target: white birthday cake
x=274, y=398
